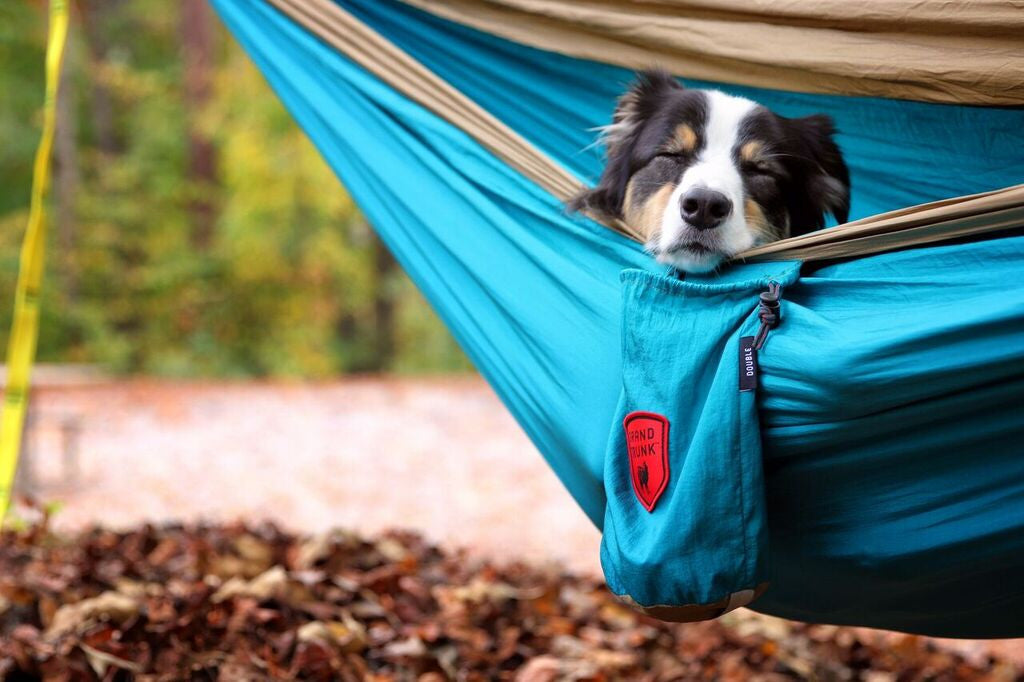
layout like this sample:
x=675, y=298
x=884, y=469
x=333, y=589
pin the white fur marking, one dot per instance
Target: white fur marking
x=714, y=169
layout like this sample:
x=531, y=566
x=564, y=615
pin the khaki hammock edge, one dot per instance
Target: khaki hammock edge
x=907, y=227
x=956, y=53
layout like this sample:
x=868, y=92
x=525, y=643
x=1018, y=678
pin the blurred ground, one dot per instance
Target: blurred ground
x=440, y=456
x=247, y=603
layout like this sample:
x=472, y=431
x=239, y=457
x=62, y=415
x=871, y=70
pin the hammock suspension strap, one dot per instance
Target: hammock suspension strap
x=21, y=346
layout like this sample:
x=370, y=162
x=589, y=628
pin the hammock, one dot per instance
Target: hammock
x=876, y=474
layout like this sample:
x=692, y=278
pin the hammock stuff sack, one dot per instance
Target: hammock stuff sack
x=830, y=428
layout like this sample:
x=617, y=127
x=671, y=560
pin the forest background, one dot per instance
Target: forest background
x=195, y=231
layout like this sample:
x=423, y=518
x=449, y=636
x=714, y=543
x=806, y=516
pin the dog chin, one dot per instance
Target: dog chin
x=686, y=256
x=689, y=260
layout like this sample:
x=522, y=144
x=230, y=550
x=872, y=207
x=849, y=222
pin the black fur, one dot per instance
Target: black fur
x=805, y=179
x=821, y=178
x=639, y=123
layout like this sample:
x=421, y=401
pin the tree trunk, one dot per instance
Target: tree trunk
x=383, y=306
x=197, y=40
x=95, y=16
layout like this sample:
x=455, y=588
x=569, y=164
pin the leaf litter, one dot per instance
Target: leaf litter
x=253, y=602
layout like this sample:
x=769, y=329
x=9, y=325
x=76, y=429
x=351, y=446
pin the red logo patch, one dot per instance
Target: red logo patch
x=647, y=444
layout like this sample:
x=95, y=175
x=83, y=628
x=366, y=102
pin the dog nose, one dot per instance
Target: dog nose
x=704, y=208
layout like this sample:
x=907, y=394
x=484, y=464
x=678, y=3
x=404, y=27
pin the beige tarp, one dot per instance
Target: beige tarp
x=970, y=51
x=937, y=221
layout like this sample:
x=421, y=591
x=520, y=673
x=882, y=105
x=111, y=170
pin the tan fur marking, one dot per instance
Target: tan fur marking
x=627, y=201
x=645, y=218
x=763, y=230
x=751, y=150
x=686, y=138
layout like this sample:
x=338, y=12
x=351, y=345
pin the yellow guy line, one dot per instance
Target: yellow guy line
x=21, y=347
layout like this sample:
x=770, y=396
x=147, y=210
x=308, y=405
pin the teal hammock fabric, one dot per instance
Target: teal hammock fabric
x=890, y=447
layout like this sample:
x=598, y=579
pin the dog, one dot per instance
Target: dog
x=707, y=175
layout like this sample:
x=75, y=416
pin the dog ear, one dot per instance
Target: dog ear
x=636, y=106
x=647, y=93
x=824, y=175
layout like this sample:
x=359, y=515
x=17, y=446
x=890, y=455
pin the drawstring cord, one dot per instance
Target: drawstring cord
x=769, y=312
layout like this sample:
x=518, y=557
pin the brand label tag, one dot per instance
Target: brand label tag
x=647, y=447
x=748, y=364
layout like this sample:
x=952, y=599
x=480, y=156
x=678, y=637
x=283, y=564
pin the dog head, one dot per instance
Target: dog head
x=707, y=175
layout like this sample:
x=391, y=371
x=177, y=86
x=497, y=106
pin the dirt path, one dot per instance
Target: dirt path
x=365, y=454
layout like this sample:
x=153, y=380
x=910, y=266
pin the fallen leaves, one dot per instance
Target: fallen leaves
x=241, y=603
x=114, y=607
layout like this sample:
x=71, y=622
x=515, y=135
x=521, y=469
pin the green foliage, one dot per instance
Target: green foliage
x=290, y=282
x=22, y=35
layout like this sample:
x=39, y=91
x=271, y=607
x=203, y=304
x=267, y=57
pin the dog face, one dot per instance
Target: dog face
x=707, y=175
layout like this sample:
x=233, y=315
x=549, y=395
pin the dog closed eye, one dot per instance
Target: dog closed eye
x=706, y=175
